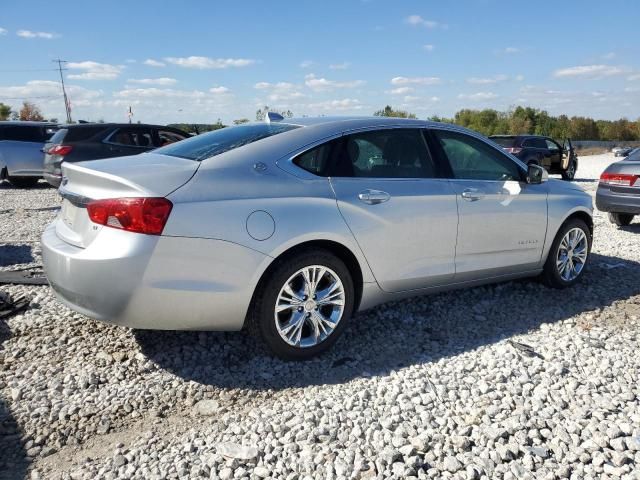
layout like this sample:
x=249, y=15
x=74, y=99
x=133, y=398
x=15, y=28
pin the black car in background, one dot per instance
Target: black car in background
x=92, y=141
x=543, y=151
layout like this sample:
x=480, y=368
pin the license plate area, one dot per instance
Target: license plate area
x=69, y=214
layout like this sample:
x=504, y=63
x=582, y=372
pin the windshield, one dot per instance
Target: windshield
x=504, y=141
x=219, y=141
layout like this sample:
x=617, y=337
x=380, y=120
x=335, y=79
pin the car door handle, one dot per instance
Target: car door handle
x=472, y=194
x=373, y=197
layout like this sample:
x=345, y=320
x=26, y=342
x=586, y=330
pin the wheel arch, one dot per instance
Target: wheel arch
x=338, y=249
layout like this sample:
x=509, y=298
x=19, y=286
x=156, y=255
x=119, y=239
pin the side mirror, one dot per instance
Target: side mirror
x=536, y=174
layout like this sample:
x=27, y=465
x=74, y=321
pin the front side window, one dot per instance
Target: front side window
x=222, y=140
x=166, y=137
x=473, y=159
x=391, y=153
x=551, y=145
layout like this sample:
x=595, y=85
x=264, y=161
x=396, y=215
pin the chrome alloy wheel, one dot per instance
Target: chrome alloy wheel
x=572, y=254
x=309, y=306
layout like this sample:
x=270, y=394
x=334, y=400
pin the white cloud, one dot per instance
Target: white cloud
x=609, y=56
x=400, y=91
x=30, y=34
x=94, y=70
x=306, y=64
x=3, y=31
x=428, y=47
x=416, y=81
x=635, y=76
x=130, y=60
x=154, y=63
x=519, y=78
x=333, y=105
x=153, y=92
x=48, y=96
x=162, y=81
x=590, y=71
x=219, y=90
x=320, y=84
x=487, y=80
x=478, y=96
x=511, y=50
x=203, y=63
x=418, y=21
x=281, y=91
x=340, y=66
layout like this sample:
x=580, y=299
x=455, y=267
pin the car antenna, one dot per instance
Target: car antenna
x=273, y=117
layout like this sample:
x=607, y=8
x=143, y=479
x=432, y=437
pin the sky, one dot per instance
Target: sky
x=197, y=61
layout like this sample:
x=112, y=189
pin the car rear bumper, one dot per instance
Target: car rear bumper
x=608, y=201
x=52, y=179
x=149, y=282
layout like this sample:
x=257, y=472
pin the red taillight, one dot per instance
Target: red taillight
x=621, y=179
x=61, y=150
x=140, y=215
x=514, y=150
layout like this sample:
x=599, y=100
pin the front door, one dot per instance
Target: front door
x=403, y=216
x=502, y=219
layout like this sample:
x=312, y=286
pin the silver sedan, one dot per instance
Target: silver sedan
x=289, y=227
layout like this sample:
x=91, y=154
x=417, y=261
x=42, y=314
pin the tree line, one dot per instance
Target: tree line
x=515, y=121
x=527, y=120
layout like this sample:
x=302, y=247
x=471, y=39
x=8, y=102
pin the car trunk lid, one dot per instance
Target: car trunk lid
x=146, y=175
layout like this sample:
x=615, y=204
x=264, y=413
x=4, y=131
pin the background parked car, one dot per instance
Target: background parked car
x=21, y=151
x=543, y=151
x=619, y=190
x=92, y=141
x=622, y=151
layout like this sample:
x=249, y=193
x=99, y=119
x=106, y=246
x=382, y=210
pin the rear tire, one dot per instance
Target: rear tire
x=24, y=182
x=568, y=256
x=621, y=219
x=570, y=172
x=284, y=313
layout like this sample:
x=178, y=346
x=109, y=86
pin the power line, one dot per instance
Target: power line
x=64, y=91
x=28, y=98
x=30, y=70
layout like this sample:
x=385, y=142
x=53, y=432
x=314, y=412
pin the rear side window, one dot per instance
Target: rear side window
x=316, y=160
x=472, y=159
x=76, y=134
x=166, y=137
x=219, y=141
x=24, y=133
x=389, y=153
x=132, y=137
x=551, y=145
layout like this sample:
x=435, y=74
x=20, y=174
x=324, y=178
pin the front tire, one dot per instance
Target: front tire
x=570, y=172
x=621, y=219
x=568, y=255
x=303, y=306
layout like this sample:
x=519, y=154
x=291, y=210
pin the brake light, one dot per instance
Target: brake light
x=621, y=179
x=61, y=150
x=514, y=150
x=140, y=215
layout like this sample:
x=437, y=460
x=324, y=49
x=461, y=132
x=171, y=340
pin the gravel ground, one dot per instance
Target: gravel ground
x=432, y=387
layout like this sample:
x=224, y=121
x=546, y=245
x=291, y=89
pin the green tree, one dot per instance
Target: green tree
x=262, y=112
x=240, y=121
x=5, y=111
x=388, y=111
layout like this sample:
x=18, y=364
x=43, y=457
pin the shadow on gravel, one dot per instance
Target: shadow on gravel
x=41, y=185
x=13, y=457
x=395, y=335
x=14, y=462
x=633, y=228
x=15, y=254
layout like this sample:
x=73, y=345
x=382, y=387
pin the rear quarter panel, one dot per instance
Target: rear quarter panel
x=21, y=158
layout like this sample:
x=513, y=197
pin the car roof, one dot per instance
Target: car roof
x=112, y=125
x=27, y=123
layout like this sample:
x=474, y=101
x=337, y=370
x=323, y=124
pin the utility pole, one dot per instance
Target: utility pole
x=64, y=91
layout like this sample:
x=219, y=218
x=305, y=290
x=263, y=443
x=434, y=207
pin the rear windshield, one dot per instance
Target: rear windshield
x=26, y=133
x=504, y=141
x=222, y=140
x=75, y=134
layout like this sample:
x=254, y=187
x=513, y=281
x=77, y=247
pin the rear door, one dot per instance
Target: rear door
x=22, y=149
x=402, y=213
x=502, y=220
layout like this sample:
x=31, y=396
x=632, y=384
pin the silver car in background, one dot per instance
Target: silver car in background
x=289, y=227
x=619, y=190
x=21, y=155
